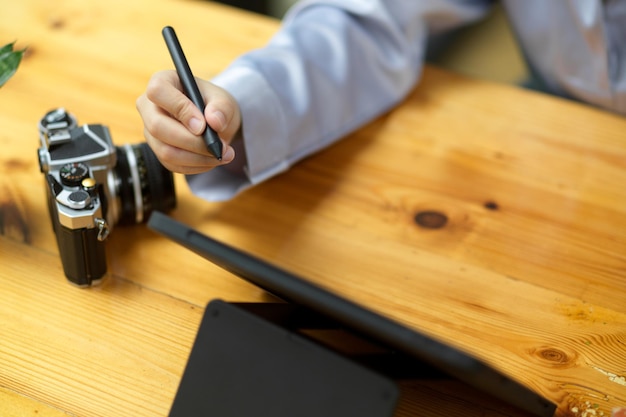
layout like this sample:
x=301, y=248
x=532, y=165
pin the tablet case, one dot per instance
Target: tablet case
x=413, y=349
x=244, y=365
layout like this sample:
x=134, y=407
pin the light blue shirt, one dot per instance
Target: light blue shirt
x=334, y=65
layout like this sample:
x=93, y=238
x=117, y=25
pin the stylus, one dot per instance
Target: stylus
x=213, y=142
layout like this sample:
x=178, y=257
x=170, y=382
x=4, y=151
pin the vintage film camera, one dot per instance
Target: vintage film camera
x=92, y=185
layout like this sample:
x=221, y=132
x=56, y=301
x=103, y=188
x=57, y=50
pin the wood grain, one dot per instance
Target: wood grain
x=16, y=405
x=528, y=272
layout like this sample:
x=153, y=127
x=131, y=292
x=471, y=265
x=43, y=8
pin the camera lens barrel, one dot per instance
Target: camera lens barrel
x=144, y=184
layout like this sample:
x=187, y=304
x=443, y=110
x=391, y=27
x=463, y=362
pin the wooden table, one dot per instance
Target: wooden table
x=528, y=272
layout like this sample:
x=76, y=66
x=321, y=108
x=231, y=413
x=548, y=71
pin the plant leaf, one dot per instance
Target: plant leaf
x=7, y=48
x=9, y=61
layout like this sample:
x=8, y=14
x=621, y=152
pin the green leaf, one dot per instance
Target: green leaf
x=9, y=61
x=7, y=48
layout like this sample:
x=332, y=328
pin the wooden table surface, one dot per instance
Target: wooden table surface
x=527, y=274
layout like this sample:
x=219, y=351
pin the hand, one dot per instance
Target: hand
x=173, y=124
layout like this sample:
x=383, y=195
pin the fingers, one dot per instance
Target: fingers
x=165, y=91
x=177, y=148
x=177, y=159
x=173, y=124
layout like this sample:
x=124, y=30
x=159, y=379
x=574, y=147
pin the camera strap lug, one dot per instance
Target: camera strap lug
x=103, y=228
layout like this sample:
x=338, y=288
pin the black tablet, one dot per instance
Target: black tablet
x=394, y=336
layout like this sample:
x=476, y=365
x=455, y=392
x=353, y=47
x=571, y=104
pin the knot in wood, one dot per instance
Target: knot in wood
x=554, y=357
x=491, y=205
x=430, y=219
x=56, y=23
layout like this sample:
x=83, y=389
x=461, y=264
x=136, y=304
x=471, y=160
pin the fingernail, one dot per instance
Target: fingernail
x=221, y=120
x=228, y=155
x=196, y=125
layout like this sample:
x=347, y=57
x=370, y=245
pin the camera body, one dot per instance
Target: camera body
x=91, y=185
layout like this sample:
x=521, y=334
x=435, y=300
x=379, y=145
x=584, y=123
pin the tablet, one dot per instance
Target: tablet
x=357, y=318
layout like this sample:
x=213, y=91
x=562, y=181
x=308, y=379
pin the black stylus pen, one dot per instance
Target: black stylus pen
x=213, y=142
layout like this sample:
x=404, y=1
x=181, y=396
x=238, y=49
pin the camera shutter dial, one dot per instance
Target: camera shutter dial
x=73, y=173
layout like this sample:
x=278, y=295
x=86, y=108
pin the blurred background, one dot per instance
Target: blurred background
x=485, y=50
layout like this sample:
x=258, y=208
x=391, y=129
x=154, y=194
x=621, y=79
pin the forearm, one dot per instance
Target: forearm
x=333, y=66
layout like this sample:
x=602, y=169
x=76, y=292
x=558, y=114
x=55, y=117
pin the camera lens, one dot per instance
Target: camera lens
x=144, y=184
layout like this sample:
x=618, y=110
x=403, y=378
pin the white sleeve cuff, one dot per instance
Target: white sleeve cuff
x=264, y=148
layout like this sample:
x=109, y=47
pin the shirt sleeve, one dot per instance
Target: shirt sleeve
x=333, y=66
x=575, y=49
